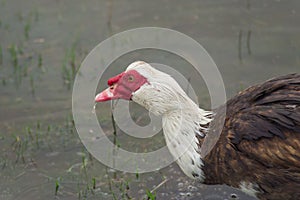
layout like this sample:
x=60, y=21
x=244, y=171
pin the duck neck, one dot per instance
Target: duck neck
x=184, y=130
x=184, y=123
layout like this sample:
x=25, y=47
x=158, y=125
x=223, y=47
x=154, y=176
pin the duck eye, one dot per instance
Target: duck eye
x=130, y=78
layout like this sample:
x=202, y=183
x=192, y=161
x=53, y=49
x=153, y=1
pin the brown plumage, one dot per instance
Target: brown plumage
x=260, y=140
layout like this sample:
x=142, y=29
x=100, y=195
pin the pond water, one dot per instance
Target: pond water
x=42, y=44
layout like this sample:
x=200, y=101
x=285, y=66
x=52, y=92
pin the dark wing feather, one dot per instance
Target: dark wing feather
x=260, y=140
x=266, y=110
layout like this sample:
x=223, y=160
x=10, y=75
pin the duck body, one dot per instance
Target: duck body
x=259, y=148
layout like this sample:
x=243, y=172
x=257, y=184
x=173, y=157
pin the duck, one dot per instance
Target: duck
x=255, y=134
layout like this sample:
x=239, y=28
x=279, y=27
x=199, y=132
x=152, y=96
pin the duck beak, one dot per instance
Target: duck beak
x=110, y=93
x=105, y=95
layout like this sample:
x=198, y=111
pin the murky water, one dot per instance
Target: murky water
x=42, y=43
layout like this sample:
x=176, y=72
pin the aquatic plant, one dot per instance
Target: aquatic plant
x=150, y=195
x=1, y=55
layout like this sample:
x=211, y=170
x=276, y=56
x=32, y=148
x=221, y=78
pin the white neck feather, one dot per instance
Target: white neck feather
x=180, y=130
x=182, y=120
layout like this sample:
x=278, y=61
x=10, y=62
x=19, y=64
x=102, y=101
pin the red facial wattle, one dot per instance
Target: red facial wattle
x=122, y=86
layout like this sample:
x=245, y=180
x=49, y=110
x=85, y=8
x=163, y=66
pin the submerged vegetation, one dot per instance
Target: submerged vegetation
x=70, y=66
x=82, y=179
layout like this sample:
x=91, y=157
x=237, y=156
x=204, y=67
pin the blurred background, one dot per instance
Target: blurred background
x=42, y=44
